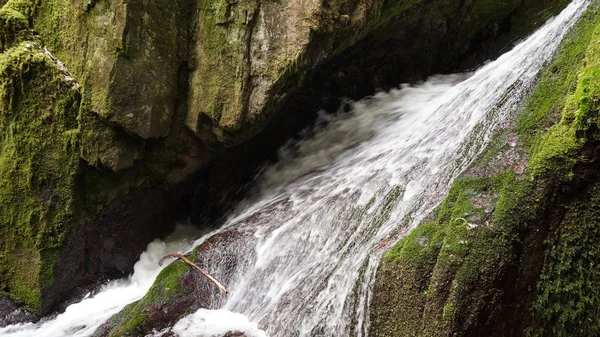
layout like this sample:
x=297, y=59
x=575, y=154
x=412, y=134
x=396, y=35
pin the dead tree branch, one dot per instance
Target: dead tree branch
x=195, y=266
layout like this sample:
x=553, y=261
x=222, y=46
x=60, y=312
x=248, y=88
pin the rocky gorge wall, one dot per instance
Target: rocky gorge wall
x=512, y=251
x=114, y=113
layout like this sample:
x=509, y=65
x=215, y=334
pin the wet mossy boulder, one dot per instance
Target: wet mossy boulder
x=529, y=266
x=180, y=290
x=39, y=163
x=71, y=203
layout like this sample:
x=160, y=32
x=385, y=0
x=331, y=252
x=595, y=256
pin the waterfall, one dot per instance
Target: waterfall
x=303, y=249
x=82, y=319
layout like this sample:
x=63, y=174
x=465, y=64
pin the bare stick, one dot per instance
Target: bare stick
x=195, y=266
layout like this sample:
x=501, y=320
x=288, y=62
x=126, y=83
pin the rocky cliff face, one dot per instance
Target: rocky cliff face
x=513, y=252
x=112, y=112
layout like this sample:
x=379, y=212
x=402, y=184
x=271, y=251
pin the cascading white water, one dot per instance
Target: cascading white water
x=81, y=319
x=310, y=239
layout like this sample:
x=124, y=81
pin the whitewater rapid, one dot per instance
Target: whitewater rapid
x=315, y=227
x=82, y=319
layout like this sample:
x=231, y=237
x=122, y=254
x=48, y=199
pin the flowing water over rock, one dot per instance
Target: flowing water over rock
x=82, y=319
x=302, y=252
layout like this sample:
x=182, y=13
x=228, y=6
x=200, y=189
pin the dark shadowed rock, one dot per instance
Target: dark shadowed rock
x=235, y=334
x=11, y=313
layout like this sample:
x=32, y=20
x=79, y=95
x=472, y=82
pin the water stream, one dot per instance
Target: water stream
x=306, y=244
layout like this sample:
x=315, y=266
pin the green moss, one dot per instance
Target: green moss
x=468, y=283
x=126, y=55
x=431, y=272
x=410, y=249
x=15, y=22
x=39, y=163
x=559, y=79
x=449, y=313
x=475, y=250
x=12, y=23
x=222, y=70
x=167, y=283
x=26, y=7
x=557, y=148
x=569, y=288
x=407, y=266
x=63, y=156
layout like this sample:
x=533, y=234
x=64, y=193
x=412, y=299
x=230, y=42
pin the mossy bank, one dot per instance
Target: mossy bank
x=512, y=254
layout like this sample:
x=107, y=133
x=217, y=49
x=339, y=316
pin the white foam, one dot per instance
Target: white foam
x=216, y=323
x=83, y=318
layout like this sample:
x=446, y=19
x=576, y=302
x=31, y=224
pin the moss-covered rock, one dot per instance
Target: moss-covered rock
x=13, y=22
x=177, y=291
x=126, y=53
x=39, y=164
x=465, y=250
x=73, y=177
x=248, y=55
x=529, y=268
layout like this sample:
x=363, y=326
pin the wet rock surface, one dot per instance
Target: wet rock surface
x=235, y=334
x=11, y=313
x=178, y=291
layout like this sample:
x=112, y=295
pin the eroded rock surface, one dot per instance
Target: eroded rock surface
x=247, y=55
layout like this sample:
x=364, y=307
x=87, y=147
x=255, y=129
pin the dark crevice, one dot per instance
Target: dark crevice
x=248, y=86
x=90, y=5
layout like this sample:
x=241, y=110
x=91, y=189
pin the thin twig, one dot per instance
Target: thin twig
x=195, y=266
